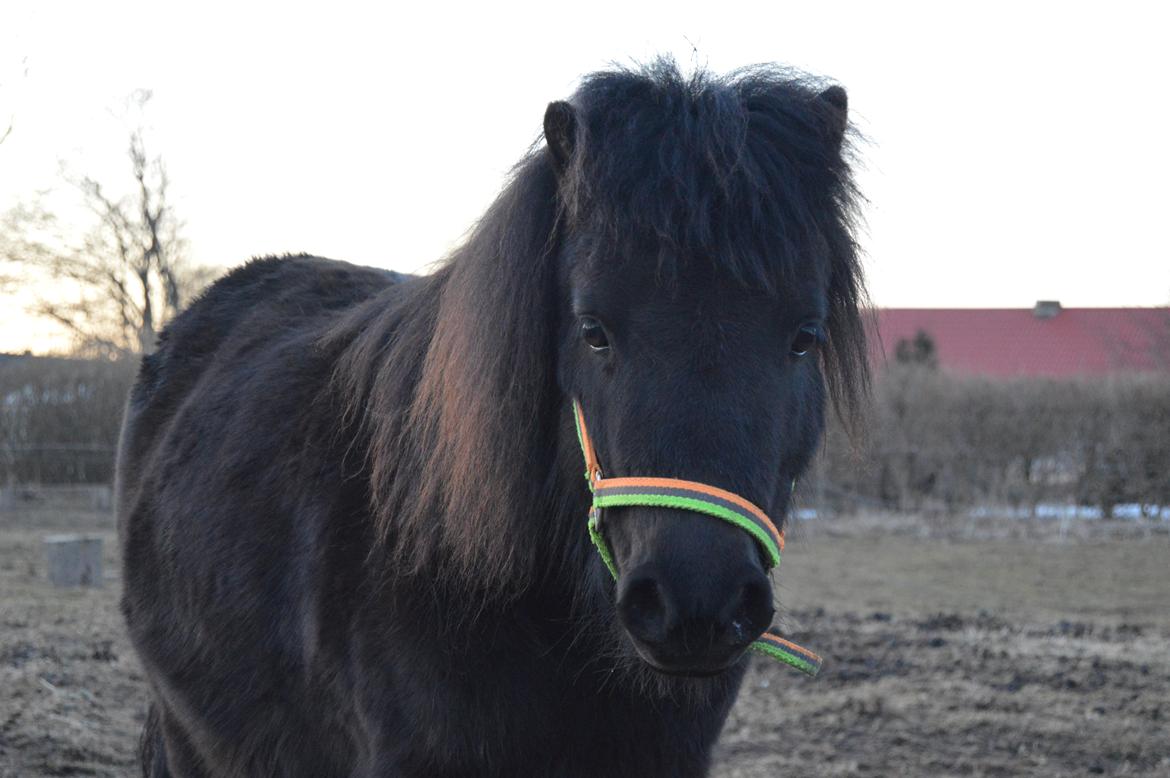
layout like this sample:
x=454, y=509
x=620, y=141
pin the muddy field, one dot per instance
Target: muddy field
x=951, y=648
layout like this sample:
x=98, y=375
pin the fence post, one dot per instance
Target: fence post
x=101, y=498
x=74, y=560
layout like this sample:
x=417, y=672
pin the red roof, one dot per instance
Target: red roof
x=1017, y=341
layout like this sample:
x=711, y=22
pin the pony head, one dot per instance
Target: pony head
x=708, y=289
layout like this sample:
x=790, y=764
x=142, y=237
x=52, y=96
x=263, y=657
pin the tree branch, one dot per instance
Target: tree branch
x=128, y=268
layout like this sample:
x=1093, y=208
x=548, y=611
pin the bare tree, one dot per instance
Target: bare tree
x=919, y=351
x=6, y=126
x=114, y=286
x=7, y=279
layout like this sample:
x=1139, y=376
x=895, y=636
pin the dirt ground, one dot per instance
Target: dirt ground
x=951, y=648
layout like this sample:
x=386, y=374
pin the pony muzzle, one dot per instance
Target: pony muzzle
x=691, y=594
x=693, y=624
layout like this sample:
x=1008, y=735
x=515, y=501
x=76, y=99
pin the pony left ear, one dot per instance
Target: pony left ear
x=560, y=132
x=836, y=104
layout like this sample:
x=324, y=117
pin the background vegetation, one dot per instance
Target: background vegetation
x=935, y=441
x=59, y=419
x=939, y=441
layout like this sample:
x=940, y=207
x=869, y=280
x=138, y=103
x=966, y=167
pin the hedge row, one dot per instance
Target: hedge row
x=933, y=440
x=59, y=419
x=940, y=441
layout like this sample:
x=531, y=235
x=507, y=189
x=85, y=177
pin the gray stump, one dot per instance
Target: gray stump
x=74, y=560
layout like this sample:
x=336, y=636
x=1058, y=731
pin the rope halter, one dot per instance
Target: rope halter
x=698, y=498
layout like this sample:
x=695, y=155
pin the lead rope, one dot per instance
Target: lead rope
x=688, y=496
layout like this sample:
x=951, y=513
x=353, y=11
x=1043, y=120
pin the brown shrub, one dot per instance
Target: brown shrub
x=942, y=441
x=59, y=418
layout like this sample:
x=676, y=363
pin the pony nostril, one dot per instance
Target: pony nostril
x=752, y=613
x=642, y=608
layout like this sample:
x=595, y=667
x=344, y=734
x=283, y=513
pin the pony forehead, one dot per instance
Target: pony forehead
x=599, y=267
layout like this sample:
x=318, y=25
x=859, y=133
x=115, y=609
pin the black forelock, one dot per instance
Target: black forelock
x=742, y=169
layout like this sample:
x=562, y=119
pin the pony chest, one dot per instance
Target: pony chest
x=514, y=712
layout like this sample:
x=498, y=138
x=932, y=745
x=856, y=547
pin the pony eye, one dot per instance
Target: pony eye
x=805, y=340
x=594, y=334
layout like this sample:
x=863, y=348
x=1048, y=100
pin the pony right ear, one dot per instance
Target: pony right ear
x=836, y=114
x=560, y=132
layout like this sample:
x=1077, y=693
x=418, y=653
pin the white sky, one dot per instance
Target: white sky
x=1018, y=150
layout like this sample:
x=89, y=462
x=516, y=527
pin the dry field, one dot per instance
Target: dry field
x=951, y=648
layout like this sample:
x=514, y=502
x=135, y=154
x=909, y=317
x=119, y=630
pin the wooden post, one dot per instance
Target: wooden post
x=74, y=560
x=101, y=498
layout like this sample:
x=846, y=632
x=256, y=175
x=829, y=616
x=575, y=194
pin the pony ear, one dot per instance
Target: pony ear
x=836, y=113
x=560, y=132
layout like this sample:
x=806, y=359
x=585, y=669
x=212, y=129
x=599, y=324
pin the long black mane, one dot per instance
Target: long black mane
x=456, y=387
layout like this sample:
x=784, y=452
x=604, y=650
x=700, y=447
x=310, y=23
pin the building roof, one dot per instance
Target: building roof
x=1046, y=340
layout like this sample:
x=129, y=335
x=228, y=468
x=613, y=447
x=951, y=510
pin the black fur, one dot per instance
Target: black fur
x=351, y=502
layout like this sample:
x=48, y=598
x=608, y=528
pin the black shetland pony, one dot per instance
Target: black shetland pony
x=351, y=502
